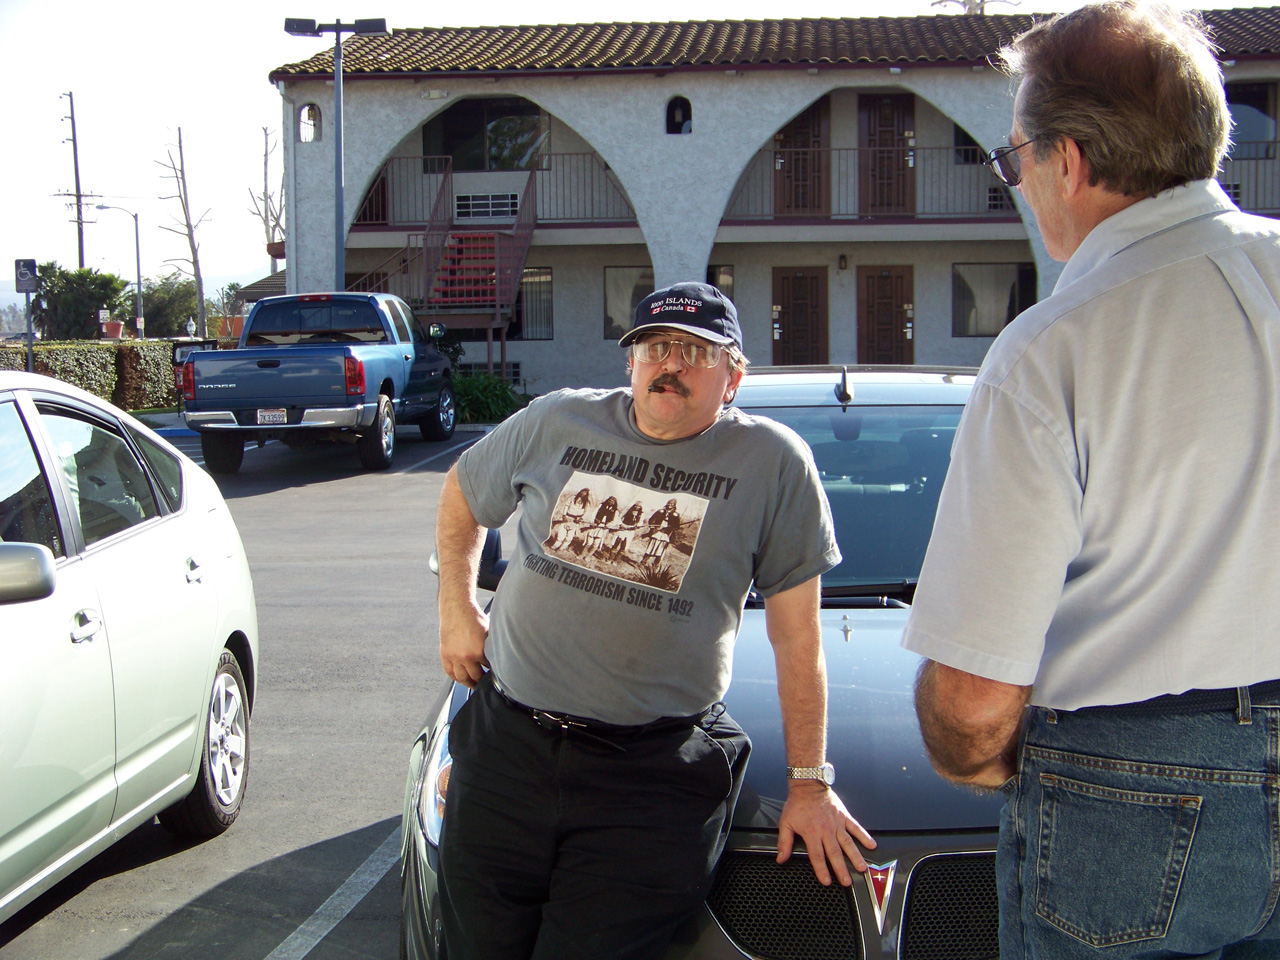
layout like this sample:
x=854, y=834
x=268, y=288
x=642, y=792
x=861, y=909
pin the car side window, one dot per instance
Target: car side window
x=165, y=467
x=415, y=329
x=397, y=317
x=108, y=485
x=27, y=514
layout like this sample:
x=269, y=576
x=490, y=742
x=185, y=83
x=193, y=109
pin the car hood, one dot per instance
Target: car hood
x=882, y=772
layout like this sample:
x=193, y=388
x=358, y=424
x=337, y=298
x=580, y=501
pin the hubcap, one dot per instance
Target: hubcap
x=388, y=434
x=226, y=739
x=447, y=410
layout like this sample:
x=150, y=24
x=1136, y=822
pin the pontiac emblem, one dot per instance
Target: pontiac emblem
x=879, y=877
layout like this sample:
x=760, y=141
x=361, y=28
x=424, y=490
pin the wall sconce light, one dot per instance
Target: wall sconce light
x=842, y=263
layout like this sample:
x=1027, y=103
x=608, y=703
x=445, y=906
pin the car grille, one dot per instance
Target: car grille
x=780, y=912
x=952, y=912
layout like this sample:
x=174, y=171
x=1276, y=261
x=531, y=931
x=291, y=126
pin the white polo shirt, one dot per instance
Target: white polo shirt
x=1109, y=529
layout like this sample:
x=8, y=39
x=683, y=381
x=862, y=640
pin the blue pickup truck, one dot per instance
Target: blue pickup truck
x=320, y=366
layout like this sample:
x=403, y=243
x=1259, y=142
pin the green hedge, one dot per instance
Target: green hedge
x=132, y=374
x=486, y=398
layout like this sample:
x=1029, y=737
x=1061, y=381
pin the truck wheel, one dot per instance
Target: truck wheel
x=214, y=801
x=377, y=447
x=223, y=452
x=439, y=425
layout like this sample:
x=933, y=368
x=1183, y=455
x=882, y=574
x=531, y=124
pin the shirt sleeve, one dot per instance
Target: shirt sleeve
x=799, y=542
x=1007, y=528
x=487, y=470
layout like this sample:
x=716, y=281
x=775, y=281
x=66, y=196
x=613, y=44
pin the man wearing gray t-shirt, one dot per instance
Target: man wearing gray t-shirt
x=595, y=769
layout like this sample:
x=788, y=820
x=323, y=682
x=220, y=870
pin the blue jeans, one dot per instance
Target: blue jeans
x=1145, y=836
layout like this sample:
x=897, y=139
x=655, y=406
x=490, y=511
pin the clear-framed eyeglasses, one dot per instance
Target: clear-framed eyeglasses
x=695, y=354
x=1006, y=164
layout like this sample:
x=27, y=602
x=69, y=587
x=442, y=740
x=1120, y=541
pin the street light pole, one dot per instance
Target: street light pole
x=137, y=253
x=309, y=28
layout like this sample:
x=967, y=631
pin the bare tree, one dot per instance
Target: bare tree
x=268, y=208
x=178, y=173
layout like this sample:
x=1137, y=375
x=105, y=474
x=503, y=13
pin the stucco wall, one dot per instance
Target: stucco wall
x=678, y=185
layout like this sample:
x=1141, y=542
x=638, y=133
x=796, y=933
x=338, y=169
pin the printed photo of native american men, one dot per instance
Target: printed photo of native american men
x=626, y=531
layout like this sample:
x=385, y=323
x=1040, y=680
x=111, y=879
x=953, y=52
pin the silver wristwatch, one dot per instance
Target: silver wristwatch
x=826, y=773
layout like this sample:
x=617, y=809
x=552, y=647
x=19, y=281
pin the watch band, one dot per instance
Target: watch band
x=825, y=773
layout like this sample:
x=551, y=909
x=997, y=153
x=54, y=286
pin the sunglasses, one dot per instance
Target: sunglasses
x=1005, y=163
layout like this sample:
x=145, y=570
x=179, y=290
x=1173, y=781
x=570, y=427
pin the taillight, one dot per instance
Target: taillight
x=189, y=380
x=355, y=377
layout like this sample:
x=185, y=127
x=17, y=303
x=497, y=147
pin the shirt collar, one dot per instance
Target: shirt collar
x=1143, y=219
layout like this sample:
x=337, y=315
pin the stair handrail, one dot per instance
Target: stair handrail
x=437, y=233
x=511, y=255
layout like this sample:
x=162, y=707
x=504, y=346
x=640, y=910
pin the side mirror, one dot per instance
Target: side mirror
x=27, y=572
x=437, y=331
x=492, y=565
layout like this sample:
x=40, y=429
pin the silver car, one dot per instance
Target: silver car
x=881, y=439
x=128, y=637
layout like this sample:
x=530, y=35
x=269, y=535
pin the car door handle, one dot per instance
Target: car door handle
x=195, y=574
x=85, y=625
x=408, y=356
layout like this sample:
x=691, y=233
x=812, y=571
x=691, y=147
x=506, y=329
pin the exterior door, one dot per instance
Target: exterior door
x=802, y=165
x=886, y=165
x=886, y=315
x=799, y=315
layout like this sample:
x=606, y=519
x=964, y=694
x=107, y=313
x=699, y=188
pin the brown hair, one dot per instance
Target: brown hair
x=1134, y=84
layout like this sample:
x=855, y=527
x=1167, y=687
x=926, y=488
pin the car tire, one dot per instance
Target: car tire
x=223, y=452
x=440, y=423
x=377, y=446
x=214, y=801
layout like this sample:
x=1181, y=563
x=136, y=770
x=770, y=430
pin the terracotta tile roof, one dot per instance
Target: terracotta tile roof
x=726, y=44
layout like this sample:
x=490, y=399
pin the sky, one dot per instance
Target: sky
x=141, y=70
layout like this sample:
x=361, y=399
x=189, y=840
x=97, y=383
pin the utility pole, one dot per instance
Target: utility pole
x=80, y=197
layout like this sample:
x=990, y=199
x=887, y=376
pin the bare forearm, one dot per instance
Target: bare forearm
x=970, y=725
x=802, y=679
x=464, y=626
x=459, y=539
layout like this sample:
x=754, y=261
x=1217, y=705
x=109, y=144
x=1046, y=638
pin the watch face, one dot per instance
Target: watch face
x=828, y=774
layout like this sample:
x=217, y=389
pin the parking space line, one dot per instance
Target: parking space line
x=332, y=912
x=442, y=453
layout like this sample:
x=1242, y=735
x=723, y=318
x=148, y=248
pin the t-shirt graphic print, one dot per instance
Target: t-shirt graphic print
x=623, y=530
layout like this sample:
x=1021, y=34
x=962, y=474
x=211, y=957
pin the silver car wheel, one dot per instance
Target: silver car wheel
x=226, y=739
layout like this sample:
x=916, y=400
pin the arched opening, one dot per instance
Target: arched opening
x=308, y=123
x=679, y=116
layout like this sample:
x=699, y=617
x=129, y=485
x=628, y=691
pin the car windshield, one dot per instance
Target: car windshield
x=882, y=469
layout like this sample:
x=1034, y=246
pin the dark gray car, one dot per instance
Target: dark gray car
x=881, y=438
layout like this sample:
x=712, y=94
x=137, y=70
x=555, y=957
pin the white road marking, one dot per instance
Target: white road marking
x=443, y=453
x=332, y=912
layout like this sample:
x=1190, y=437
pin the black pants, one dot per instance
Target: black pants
x=593, y=845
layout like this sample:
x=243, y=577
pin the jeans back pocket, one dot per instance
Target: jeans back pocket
x=1111, y=861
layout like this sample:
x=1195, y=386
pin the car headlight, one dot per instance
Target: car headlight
x=434, y=786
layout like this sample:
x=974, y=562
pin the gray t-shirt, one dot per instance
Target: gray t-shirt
x=633, y=558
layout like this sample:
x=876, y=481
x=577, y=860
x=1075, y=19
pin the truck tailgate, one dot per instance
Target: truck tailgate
x=287, y=376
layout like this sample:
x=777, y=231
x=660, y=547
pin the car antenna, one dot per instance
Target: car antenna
x=843, y=393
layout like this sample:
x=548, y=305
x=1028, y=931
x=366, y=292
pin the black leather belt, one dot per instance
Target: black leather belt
x=1193, y=701
x=597, y=730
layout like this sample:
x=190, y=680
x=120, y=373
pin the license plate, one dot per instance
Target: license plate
x=272, y=416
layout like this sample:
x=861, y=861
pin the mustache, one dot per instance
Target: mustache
x=664, y=381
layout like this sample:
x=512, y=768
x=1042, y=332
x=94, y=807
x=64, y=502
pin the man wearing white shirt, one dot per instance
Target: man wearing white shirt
x=1100, y=596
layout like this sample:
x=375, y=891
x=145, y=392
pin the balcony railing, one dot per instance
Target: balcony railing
x=1251, y=176
x=571, y=188
x=848, y=183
